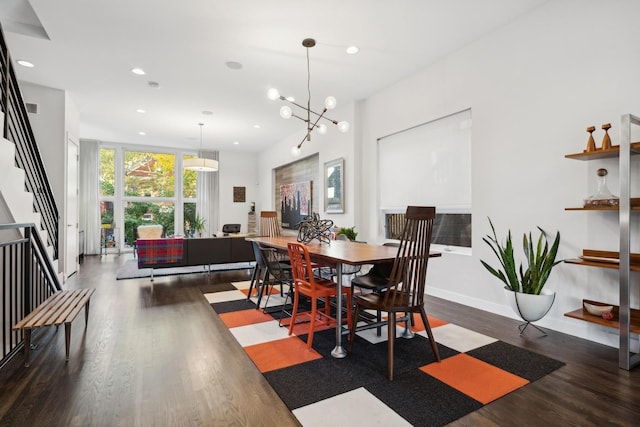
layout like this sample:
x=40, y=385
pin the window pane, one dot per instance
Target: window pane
x=107, y=226
x=149, y=174
x=107, y=171
x=189, y=217
x=189, y=180
x=144, y=213
x=449, y=229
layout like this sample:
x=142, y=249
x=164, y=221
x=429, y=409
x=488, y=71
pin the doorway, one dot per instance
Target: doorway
x=71, y=210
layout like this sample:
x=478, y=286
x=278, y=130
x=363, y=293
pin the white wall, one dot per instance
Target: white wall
x=237, y=170
x=330, y=146
x=57, y=116
x=49, y=130
x=533, y=87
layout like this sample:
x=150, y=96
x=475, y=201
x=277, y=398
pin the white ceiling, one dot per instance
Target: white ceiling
x=89, y=47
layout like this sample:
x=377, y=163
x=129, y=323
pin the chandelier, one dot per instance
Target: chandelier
x=313, y=122
x=201, y=164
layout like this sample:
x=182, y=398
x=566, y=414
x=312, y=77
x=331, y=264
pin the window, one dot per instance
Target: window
x=428, y=165
x=142, y=187
x=107, y=172
x=149, y=174
x=449, y=229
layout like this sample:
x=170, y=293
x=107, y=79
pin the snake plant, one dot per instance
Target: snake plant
x=540, y=261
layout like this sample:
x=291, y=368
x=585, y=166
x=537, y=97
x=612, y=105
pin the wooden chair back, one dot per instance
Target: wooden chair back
x=409, y=272
x=269, y=226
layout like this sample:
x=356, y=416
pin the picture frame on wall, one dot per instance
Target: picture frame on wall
x=334, y=186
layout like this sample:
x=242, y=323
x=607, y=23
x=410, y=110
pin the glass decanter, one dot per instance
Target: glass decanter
x=602, y=197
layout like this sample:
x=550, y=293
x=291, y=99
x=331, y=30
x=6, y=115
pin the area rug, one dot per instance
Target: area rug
x=130, y=269
x=475, y=369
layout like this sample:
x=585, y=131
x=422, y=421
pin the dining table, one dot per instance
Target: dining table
x=335, y=254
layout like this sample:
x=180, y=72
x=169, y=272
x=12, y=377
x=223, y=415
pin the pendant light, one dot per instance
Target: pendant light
x=200, y=163
x=312, y=122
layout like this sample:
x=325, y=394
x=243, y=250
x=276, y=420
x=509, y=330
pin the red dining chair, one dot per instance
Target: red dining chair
x=304, y=283
x=404, y=292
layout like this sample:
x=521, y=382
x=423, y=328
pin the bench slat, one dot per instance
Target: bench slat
x=59, y=308
x=55, y=310
x=40, y=311
x=73, y=307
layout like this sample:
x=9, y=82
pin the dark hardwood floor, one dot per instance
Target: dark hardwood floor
x=157, y=355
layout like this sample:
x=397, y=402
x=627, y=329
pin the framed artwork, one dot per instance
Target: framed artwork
x=334, y=186
x=239, y=194
x=295, y=202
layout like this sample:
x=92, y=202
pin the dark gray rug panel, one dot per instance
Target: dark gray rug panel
x=419, y=397
x=518, y=361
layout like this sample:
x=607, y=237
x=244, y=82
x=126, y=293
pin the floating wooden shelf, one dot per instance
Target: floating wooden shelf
x=604, y=259
x=583, y=314
x=635, y=206
x=580, y=261
x=603, y=154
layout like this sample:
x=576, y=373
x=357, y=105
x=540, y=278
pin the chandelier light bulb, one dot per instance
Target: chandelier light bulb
x=330, y=103
x=310, y=117
x=285, y=112
x=273, y=94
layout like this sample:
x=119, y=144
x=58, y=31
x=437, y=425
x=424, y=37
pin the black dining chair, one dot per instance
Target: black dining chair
x=258, y=270
x=277, y=273
x=404, y=292
x=375, y=280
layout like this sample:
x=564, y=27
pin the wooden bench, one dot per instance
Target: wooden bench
x=61, y=307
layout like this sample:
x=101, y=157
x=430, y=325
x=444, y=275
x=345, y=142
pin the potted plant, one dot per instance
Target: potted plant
x=349, y=232
x=198, y=224
x=524, y=288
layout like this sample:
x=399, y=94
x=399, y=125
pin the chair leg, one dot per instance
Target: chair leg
x=263, y=284
x=254, y=277
x=294, y=311
x=434, y=346
x=391, y=341
x=349, y=308
x=312, y=325
x=354, y=323
x=289, y=296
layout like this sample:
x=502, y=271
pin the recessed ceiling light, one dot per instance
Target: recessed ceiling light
x=25, y=63
x=207, y=113
x=142, y=133
x=153, y=84
x=138, y=71
x=256, y=126
x=233, y=65
x=236, y=143
x=352, y=50
x=141, y=111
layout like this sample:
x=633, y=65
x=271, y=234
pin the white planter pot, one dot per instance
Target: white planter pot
x=530, y=307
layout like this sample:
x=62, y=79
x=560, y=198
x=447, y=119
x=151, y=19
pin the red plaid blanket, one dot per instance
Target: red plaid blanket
x=159, y=251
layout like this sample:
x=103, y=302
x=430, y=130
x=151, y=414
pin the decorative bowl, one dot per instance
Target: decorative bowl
x=597, y=310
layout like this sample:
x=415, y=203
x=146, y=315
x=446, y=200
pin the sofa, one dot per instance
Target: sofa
x=181, y=252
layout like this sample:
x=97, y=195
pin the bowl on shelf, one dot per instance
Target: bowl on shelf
x=597, y=310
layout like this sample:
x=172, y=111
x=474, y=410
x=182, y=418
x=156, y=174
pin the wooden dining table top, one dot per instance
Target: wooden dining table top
x=343, y=251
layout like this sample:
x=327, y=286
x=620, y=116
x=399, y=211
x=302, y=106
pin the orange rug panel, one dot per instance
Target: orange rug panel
x=280, y=354
x=475, y=378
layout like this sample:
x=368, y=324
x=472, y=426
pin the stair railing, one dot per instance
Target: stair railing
x=28, y=277
x=17, y=129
